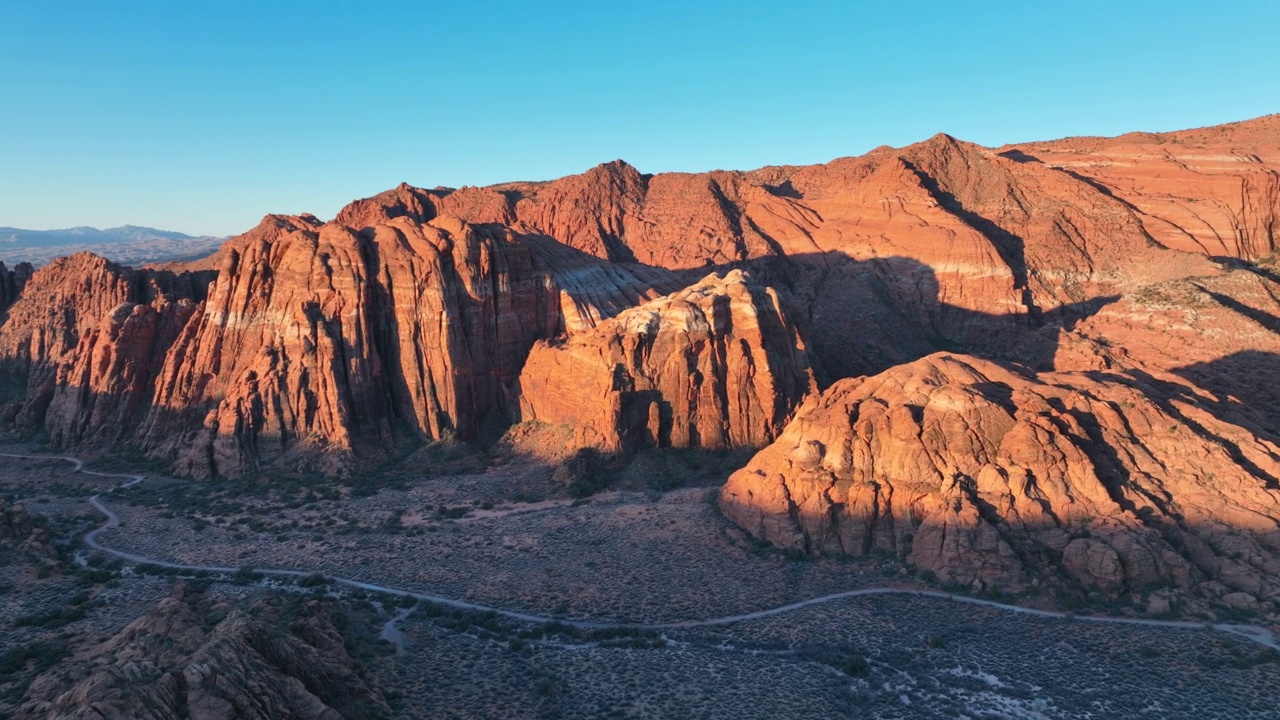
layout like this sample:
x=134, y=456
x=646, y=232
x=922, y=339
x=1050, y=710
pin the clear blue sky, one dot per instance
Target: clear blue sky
x=204, y=116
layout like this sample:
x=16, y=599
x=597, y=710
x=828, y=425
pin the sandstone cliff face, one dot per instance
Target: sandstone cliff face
x=1214, y=190
x=996, y=478
x=888, y=256
x=316, y=339
x=267, y=661
x=12, y=282
x=79, y=349
x=412, y=313
x=715, y=365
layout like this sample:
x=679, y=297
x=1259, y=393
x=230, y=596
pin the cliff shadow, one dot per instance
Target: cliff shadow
x=860, y=317
x=1244, y=390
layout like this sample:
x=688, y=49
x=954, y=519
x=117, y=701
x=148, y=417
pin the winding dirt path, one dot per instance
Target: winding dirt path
x=1259, y=635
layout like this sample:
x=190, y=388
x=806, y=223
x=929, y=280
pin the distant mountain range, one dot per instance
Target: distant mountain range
x=128, y=244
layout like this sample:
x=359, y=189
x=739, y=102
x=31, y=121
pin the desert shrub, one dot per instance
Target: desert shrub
x=856, y=666
x=45, y=655
x=583, y=473
x=51, y=619
x=313, y=580
x=453, y=513
x=246, y=575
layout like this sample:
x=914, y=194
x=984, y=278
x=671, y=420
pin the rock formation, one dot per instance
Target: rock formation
x=1213, y=190
x=268, y=661
x=715, y=365
x=995, y=478
x=419, y=314
x=20, y=533
x=317, y=339
x=12, y=282
x=80, y=349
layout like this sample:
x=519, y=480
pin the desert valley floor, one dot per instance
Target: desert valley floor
x=506, y=536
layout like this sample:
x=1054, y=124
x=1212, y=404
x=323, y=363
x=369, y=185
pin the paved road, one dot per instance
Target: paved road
x=1259, y=635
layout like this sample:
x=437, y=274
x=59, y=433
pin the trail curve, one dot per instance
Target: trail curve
x=1254, y=633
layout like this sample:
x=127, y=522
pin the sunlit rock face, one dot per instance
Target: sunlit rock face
x=419, y=314
x=716, y=365
x=311, y=341
x=993, y=477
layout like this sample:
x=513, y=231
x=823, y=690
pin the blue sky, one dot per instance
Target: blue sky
x=202, y=117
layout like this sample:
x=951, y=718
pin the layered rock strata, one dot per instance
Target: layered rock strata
x=266, y=661
x=411, y=315
x=992, y=477
x=314, y=340
x=80, y=350
x=716, y=365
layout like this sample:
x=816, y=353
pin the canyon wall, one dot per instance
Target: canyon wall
x=419, y=314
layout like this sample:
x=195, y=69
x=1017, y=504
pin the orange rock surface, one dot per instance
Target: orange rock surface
x=80, y=348
x=418, y=313
x=1212, y=190
x=317, y=339
x=715, y=365
x=995, y=478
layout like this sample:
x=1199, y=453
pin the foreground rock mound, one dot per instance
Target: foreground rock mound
x=22, y=535
x=272, y=661
x=994, y=478
x=716, y=365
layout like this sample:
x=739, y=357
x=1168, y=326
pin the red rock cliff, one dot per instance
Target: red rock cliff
x=995, y=478
x=716, y=365
x=412, y=314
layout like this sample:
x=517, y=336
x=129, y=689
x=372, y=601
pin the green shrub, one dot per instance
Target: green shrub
x=313, y=580
x=857, y=666
x=583, y=474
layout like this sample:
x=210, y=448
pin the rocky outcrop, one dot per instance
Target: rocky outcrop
x=271, y=660
x=20, y=533
x=995, y=478
x=317, y=339
x=411, y=315
x=12, y=282
x=80, y=349
x=1213, y=190
x=890, y=255
x=716, y=365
